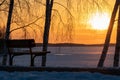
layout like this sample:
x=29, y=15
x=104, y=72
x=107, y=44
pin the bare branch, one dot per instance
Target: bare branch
x=59, y=16
x=27, y=24
x=2, y=2
x=40, y=2
x=64, y=7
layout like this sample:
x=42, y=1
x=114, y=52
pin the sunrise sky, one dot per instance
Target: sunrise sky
x=88, y=24
x=96, y=28
x=92, y=27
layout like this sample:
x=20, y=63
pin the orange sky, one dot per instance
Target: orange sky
x=89, y=35
x=84, y=33
x=81, y=32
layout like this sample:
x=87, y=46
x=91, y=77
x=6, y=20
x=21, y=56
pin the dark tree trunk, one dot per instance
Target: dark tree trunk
x=117, y=47
x=107, y=41
x=49, y=4
x=8, y=29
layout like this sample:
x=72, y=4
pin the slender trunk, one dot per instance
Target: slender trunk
x=8, y=30
x=117, y=48
x=49, y=4
x=107, y=41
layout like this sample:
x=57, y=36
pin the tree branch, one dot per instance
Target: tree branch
x=27, y=24
x=2, y=2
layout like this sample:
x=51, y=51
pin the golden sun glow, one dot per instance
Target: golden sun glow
x=99, y=21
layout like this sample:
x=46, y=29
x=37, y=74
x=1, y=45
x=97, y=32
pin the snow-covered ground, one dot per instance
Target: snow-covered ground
x=55, y=76
x=80, y=57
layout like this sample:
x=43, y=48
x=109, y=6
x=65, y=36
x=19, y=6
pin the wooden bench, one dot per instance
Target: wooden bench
x=23, y=43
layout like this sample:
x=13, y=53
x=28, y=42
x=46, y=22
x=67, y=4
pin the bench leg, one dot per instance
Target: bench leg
x=32, y=60
x=10, y=60
x=43, y=61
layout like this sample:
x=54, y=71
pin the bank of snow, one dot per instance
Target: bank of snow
x=55, y=76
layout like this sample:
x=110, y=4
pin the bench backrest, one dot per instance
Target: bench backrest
x=20, y=43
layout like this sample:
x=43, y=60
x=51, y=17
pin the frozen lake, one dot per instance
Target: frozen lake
x=87, y=56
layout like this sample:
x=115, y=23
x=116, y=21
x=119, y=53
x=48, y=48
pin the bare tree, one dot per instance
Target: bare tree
x=8, y=29
x=9, y=19
x=107, y=40
x=49, y=4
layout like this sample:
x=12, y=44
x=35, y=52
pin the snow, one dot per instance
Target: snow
x=55, y=76
x=60, y=60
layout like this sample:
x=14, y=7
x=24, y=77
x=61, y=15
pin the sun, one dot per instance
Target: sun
x=99, y=21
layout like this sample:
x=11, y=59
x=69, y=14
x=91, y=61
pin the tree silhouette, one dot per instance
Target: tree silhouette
x=8, y=29
x=107, y=40
x=49, y=4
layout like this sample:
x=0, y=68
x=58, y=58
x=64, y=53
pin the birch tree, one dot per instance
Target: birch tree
x=49, y=4
x=8, y=29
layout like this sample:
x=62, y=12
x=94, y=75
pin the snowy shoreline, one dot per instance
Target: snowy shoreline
x=55, y=76
x=109, y=71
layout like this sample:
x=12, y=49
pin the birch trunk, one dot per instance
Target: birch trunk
x=107, y=41
x=117, y=47
x=49, y=4
x=8, y=30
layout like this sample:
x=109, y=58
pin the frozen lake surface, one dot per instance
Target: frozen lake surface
x=87, y=56
x=64, y=57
